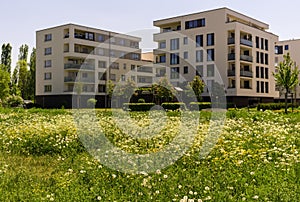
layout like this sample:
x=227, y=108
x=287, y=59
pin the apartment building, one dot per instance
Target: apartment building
x=281, y=49
x=215, y=44
x=72, y=53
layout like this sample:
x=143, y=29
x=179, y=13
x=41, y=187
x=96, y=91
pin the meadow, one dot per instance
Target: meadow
x=42, y=158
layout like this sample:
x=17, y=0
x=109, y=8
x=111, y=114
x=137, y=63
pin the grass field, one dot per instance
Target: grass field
x=256, y=158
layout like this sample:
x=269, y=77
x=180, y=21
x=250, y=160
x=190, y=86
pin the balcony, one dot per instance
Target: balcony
x=246, y=42
x=79, y=66
x=231, y=73
x=145, y=69
x=246, y=87
x=230, y=41
x=84, y=80
x=246, y=58
x=246, y=73
x=231, y=56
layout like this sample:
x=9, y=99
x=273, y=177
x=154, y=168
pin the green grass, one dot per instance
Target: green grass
x=42, y=159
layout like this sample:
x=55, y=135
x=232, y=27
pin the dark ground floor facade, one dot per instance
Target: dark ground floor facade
x=70, y=101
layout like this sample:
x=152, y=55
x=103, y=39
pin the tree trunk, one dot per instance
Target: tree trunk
x=286, y=104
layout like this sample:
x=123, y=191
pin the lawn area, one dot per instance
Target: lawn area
x=43, y=158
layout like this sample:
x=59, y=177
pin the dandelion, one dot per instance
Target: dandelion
x=207, y=188
x=165, y=176
x=114, y=176
x=99, y=198
x=251, y=173
x=255, y=197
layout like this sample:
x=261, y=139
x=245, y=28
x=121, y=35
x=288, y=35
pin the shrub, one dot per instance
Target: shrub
x=199, y=105
x=141, y=100
x=273, y=106
x=173, y=105
x=14, y=101
x=138, y=106
x=91, y=102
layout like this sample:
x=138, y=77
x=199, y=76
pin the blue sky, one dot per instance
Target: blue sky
x=20, y=19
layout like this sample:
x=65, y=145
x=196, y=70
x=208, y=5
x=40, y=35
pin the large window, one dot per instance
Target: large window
x=262, y=58
x=210, y=70
x=114, y=65
x=278, y=49
x=257, y=42
x=102, y=76
x=185, y=55
x=266, y=59
x=47, y=88
x=210, y=39
x=262, y=72
x=174, y=58
x=174, y=44
x=199, y=56
x=257, y=57
x=195, y=23
x=199, y=40
x=185, y=69
x=257, y=86
x=262, y=87
x=175, y=73
x=162, y=44
x=48, y=51
x=266, y=44
x=266, y=73
x=199, y=70
x=262, y=43
x=101, y=64
x=267, y=87
x=257, y=72
x=210, y=54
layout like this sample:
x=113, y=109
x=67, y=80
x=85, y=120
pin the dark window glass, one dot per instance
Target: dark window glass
x=210, y=54
x=199, y=40
x=210, y=39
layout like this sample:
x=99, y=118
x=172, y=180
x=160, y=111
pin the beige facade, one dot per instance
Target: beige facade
x=281, y=49
x=70, y=53
x=220, y=45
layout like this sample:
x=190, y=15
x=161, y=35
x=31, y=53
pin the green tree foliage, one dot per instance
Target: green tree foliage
x=4, y=84
x=110, y=88
x=23, y=52
x=6, y=58
x=127, y=89
x=78, y=88
x=164, y=90
x=287, y=76
x=31, y=75
x=23, y=78
x=195, y=88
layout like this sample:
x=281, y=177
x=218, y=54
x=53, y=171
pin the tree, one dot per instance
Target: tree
x=286, y=76
x=23, y=78
x=23, y=52
x=6, y=58
x=31, y=75
x=126, y=90
x=195, y=88
x=4, y=84
x=110, y=88
x=164, y=89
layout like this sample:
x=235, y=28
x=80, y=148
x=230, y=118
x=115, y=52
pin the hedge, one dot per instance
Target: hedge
x=273, y=106
x=173, y=105
x=138, y=106
x=199, y=105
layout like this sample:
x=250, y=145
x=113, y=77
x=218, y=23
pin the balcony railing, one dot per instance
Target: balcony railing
x=231, y=73
x=247, y=58
x=246, y=87
x=79, y=66
x=85, y=80
x=231, y=56
x=246, y=42
x=246, y=73
x=146, y=70
x=231, y=41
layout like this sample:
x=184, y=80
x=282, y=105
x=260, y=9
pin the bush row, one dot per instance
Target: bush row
x=273, y=106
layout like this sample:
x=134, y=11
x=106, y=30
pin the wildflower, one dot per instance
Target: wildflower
x=99, y=198
x=165, y=176
x=207, y=188
x=255, y=197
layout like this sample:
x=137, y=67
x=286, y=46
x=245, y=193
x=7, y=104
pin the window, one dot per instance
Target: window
x=257, y=57
x=101, y=38
x=266, y=44
x=199, y=40
x=261, y=58
x=175, y=73
x=112, y=53
x=262, y=87
x=195, y=23
x=262, y=43
x=266, y=59
x=100, y=51
x=257, y=72
x=102, y=76
x=122, y=77
x=112, y=77
x=48, y=63
x=257, y=86
x=162, y=44
x=267, y=87
x=101, y=88
x=266, y=73
x=47, y=76
x=185, y=40
x=199, y=70
x=185, y=69
x=122, y=54
x=174, y=58
x=124, y=66
x=101, y=64
x=174, y=44
x=210, y=70
x=247, y=84
x=261, y=72
x=278, y=50
x=132, y=78
x=199, y=56
x=48, y=51
x=210, y=39
x=47, y=88
x=286, y=47
x=162, y=58
x=257, y=42
x=135, y=56
x=132, y=67
x=185, y=55
x=48, y=37
x=210, y=54
x=84, y=75
x=122, y=42
x=114, y=65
